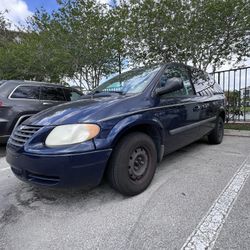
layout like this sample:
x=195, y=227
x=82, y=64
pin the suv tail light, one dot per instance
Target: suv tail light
x=1, y=103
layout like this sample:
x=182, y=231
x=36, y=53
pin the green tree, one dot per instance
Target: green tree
x=82, y=29
x=201, y=32
x=85, y=40
x=4, y=32
x=221, y=31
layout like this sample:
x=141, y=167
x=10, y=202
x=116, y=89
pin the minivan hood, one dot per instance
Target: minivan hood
x=85, y=110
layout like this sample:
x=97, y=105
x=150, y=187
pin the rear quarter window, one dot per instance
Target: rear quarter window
x=204, y=83
x=26, y=92
x=72, y=95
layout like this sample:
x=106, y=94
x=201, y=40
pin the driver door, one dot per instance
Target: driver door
x=180, y=112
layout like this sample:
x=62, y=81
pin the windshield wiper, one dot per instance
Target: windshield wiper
x=107, y=91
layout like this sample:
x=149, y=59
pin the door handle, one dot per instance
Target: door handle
x=197, y=108
x=47, y=103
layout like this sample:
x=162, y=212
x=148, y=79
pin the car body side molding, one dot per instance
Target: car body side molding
x=190, y=126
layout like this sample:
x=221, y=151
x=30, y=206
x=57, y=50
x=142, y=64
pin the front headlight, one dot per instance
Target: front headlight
x=71, y=134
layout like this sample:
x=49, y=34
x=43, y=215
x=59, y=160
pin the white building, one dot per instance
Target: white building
x=245, y=95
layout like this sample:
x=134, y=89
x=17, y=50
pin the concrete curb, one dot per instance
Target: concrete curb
x=234, y=132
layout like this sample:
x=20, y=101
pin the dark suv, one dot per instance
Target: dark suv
x=21, y=99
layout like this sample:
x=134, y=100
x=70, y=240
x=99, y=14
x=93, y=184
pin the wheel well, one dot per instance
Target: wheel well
x=150, y=130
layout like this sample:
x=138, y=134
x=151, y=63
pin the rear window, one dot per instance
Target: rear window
x=71, y=94
x=52, y=94
x=26, y=92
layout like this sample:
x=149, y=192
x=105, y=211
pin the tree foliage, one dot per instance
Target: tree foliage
x=201, y=32
x=85, y=40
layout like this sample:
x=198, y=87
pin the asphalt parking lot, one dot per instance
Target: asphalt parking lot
x=200, y=196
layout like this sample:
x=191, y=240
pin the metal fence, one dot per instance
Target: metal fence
x=236, y=86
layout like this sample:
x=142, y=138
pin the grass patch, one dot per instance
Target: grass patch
x=238, y=126
x=247, y=109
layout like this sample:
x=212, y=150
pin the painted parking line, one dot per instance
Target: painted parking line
x=207, y=231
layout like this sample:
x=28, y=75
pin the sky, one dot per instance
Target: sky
x=49, y=5
x=19, y=10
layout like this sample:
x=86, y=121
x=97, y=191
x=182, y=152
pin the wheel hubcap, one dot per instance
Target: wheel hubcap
x=138, y=163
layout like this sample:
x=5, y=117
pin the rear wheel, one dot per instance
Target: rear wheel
x=133, y=163
x=216, y=136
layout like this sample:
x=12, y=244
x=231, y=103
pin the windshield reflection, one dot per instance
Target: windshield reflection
x=131, y=82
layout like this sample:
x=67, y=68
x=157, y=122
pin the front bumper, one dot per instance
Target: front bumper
x=66, y=170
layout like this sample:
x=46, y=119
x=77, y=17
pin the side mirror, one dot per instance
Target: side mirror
x=172, y=84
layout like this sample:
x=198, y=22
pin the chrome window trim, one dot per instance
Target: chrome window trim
x=20, y=85
x=33, y=85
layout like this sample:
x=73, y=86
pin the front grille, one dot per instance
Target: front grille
x=22, y=134
x=41, y=179
x=35, y=178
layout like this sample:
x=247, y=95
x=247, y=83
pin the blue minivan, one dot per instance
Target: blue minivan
x=120, y=130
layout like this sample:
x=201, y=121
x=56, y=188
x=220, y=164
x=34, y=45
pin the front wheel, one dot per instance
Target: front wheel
x=133, y=163
x=216, y=136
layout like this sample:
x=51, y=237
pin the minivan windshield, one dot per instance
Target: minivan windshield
x=130, y=82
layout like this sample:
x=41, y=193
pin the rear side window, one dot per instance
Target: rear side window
x=72, y=95
x=52, y=94
x=26, y=92
x=204, y=83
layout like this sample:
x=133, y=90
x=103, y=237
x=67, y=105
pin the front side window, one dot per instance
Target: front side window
x=26, y=92
x=52, y=94
x=131, y=82
x=176, y=72
x=71, y=95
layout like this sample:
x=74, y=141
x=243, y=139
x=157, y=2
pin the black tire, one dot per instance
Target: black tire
x=133, y=163
x=216, y=136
